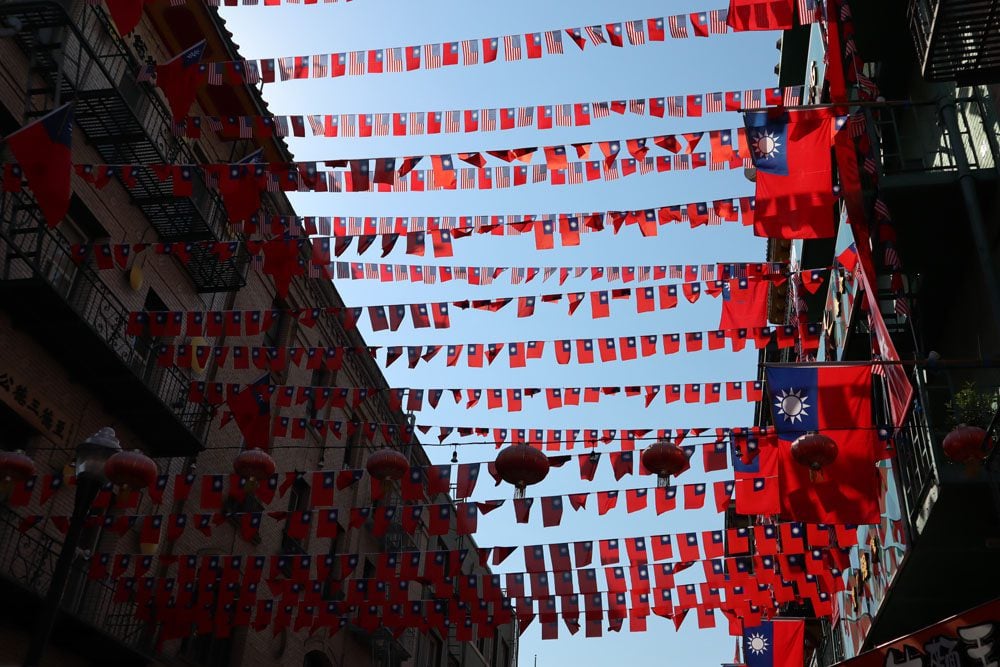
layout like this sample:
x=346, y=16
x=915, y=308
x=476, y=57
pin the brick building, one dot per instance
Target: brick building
x=68, y=367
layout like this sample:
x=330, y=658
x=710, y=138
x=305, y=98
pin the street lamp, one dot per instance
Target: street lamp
x=91, y=455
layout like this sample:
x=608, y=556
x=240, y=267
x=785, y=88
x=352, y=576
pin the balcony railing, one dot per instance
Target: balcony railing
x=957, y=40
x=27, y=560
x=30, y=251
x=910, y=139
x=126, y=122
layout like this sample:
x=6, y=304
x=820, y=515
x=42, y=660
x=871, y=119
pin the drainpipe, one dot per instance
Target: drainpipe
x=949, y=116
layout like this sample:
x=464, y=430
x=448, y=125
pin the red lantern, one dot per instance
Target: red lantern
x=814, y=451
x=664, y=459
x=253, y=465
x=387, y=464
x=967, y=444
x=521, y=465
x=131, y=470
x=14, y=467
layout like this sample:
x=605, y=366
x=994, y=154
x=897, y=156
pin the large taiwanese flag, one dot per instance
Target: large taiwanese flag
x=837, y=402
x=760, y=15
x=43, y=149
x=180, y=77
x=791, y=151
x=777, y=643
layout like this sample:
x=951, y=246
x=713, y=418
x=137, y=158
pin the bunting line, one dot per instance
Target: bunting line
x=540, y=117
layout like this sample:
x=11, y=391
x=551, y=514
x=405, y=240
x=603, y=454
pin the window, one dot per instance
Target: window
x=320, y=378
x=298, y=501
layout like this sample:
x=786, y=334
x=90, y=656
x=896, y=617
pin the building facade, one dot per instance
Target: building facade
x=69, y=366
x=923, y=100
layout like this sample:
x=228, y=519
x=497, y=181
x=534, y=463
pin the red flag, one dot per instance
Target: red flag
x=794, y=194
x=834, y=401
x=43, y=151
x=760, y=14
x=180, y=78
x=744, y=304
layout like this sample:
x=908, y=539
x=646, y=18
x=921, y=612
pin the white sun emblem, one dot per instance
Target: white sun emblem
x=765, y=144
x=791, y=404
x=757, y=644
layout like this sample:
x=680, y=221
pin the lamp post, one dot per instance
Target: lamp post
x=91, y=455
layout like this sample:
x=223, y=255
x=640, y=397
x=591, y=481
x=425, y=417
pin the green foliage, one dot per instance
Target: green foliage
x=971, y=406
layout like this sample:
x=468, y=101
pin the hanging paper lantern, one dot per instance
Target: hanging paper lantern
x=521, y=465
x=814, y=451
x=967, y=444
x=130, y=470
x=387, y=464
x=253, y=465
x=664, y=459
x=15, y=467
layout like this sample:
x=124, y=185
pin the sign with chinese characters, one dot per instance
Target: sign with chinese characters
x=966, y=640
x=33, y=408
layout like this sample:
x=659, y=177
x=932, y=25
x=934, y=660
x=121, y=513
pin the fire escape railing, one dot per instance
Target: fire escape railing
x=27, y=560
x=957, y=40
x=29, y=250
x=126, y=122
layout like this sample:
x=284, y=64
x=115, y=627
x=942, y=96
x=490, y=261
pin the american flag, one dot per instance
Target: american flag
x=215, y=74
x=902, y=306
x=881, y=209
x=395, y=61
x=676, y=272
x=416, y=122
x=717, y=21
x=575, y=173
x=452, y=121
x=634, y=31
x=320, y=66
x=488, y=120
x=400, y=183
x=637, y=106
x=553, y=41
x=356, y=63
x=316, y=124
x=595, y=34
x=432, y=56
x=715, y=102
x=675, y=106
x=512, y=47
x=678, y=26
x=400, y=272
x=501, y=177
x=286, y=67
x=857, y=125
x=246, y=127
x=539, y=173
x=600, y=109
x=647, y=165
x=525, y=116
x=348, y=125
x=792, y=96
x=682, y=162
x=281, y=125
x=470, y=51
x=752, y=99
x=468, y=178
x=809, y=11
x=382, y=125
x=564, y=115
x=611, y=172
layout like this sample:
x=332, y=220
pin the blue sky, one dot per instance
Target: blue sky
x=671, y=68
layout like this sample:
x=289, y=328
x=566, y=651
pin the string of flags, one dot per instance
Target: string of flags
x=475, y=355
x=540, y=117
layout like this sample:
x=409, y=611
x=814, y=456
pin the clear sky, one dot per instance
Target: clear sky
x=675, y=67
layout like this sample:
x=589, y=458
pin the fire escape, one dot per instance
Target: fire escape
x=957, y=40
x=78, y=57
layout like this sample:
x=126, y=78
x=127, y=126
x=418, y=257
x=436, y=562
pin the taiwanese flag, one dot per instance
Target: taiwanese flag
x=251, y=409
x=744, y=304
x=444, y=171
x=179, y=79
x=777, y=643
x=760, y=15
x=756, y=481
x=125, y=13
x=42, y=149
x=791, y=151
x=835, y=401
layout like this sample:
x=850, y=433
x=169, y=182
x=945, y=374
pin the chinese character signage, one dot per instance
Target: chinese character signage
x=965, y=640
